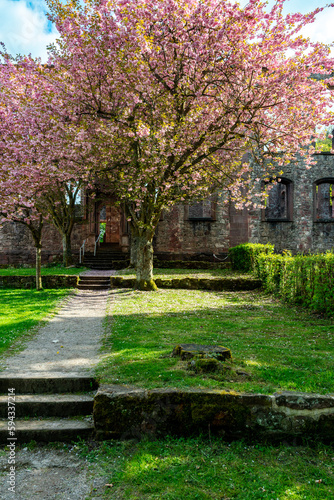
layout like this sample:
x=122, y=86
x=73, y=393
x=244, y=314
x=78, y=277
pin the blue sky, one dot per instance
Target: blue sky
x=24, y=28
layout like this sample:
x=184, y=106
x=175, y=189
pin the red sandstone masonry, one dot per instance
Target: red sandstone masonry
x=180, y=238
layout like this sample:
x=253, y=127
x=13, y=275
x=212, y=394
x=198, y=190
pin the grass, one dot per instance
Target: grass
x=279, y=347
x=205, y=469
x=45, y=271
x=21, y=310
x=183, y=273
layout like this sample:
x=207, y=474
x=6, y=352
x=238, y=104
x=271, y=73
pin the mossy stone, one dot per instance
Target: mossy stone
x=146, y=285
x=188, y=351
x=204, y=365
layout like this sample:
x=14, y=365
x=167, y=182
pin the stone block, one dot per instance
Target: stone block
x=122, y=412
x=189, y=351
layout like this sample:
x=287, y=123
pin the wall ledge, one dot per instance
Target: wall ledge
x=124, y=412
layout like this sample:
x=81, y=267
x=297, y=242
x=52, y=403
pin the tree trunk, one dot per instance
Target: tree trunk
x=144, y=269
x=133, y=251
x=67, y=250
x=38, y=268
x=36, y=232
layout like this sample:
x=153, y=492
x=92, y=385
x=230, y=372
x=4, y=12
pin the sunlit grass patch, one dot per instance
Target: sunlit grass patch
x=209, y=469
x=45, y=271
x=276, y=346
x=20, y=310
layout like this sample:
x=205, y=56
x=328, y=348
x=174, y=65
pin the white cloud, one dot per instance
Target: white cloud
x=25, y=29
x=322, y=28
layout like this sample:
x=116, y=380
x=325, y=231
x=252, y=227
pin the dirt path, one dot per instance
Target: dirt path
x=47, y=473
x=69, y=343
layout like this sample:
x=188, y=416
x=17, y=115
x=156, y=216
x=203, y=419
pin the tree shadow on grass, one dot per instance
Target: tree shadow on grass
x=273, y=344
x=204, y=468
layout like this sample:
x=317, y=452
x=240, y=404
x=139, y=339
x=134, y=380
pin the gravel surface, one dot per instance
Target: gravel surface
x=46, y=473
x=68, y=344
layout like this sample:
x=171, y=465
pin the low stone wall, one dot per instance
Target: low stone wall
x=219, y=284
x=123, y=413
x=52, y=281
x=175, y=264
x=183, y=264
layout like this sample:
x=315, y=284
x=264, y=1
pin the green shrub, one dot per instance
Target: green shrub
x=244, y=257
x=269, y=269
x=303, y=279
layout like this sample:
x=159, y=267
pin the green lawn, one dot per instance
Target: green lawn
x=278, y=346
x=203, y=469
x=30, y=271
x=20, y=310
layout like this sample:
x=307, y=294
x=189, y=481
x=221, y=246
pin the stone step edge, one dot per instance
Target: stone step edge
x=98, y=279
x=48, y=398
x=52, y=405
x=93, y=287
x=44, y=430
x=32, y=384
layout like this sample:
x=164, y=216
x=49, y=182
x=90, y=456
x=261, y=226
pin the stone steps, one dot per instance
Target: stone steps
x=105, y=265
x=105, y=259
x=45, y=408
x=92, y=286
x=50, y=405
x=46, y=430
x=107, y=253
x=44, y=383
x=93, y=283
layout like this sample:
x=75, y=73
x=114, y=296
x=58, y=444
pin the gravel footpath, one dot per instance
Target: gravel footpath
x=68, y=344
x=47, y=473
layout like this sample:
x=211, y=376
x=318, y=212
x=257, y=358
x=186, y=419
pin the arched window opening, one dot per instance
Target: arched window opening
x=324, y=197
x=202, y=210
x=278, y=204
x=103, y=214
x=103, y=223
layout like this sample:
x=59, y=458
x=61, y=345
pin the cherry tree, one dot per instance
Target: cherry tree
x=21, y=212
x=171, y=97
x=175, y=92
x=41, y=163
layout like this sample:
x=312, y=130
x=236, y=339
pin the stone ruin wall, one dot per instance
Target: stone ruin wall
x=177, y=237
x=17, y=245
x=303, y=233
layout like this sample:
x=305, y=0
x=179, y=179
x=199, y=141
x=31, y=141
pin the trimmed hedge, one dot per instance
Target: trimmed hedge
x=244, y=257
x=307, y=280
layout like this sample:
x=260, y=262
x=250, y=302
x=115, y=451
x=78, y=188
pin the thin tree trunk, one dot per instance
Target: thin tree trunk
x=38, y=268
x=144, y=269
x=67, y=250
x=133, y=250
x=36, y=232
